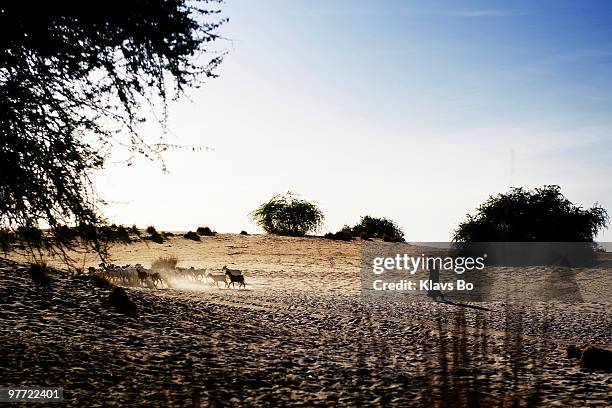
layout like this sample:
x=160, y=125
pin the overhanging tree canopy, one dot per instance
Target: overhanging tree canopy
x=73, y=76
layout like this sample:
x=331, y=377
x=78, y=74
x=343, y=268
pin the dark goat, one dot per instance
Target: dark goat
x=235, y=278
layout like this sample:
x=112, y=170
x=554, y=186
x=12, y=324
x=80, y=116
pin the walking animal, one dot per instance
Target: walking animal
x=234, y=275
x=216, y=278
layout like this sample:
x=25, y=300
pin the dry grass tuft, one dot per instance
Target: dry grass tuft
x=162, y=263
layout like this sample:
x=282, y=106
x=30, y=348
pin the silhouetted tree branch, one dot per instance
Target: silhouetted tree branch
x=73, y=77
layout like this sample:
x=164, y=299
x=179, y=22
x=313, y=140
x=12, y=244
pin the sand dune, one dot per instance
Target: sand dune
x=302, y=333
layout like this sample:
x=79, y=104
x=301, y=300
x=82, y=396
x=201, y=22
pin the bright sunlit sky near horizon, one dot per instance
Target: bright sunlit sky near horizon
x=415, y=110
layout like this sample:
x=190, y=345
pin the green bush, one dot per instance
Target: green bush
x=540, y=215
x=364, y=236
x=64, y=234
x=134, y=230
x=7, y=239
x=288, y=215
x=344, y=234
x=31, y=235
x=373, y=227
x=156, y=237
x=87, y=232
x=205, y=231
x=192, y=236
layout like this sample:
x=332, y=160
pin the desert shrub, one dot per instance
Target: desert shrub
x=205, y=231
x=134, y=230
x=114, y=233
x=64, y=234
x=31, y=235
x=151, y=230
x=157, y=238
x=118, y=234
x=7, y=239
x=364, y=236
x=39, y=273
x=540, y=215
x=168, y=234
x=164, y=263
x=288, y=215
x=243, y=232
x=122, y=234
x=192, y=236
x=87, y=232
x=344, y=234
x=374, y=227
x=120, y=300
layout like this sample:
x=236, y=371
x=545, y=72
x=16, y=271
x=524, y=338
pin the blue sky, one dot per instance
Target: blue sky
x=417, y=111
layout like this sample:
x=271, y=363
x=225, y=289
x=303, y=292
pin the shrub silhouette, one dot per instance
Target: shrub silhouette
x=64, y=234
x=205, y=231
x=31, y=235
x=373, y=227
x=364, y=236
x=156, y=237
x=344, y=234
x=114, y=233
x=151, y=230
x=288, y=215
x=540, y=215
x=192, y=236
x=134, y=230
x=243, y=232
x=7, y=239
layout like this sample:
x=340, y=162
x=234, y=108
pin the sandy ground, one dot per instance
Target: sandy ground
x=302, y=333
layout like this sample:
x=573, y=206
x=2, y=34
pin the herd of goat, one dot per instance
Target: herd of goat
x=138, y=275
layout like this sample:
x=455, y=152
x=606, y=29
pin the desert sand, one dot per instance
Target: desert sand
x=302, y=333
